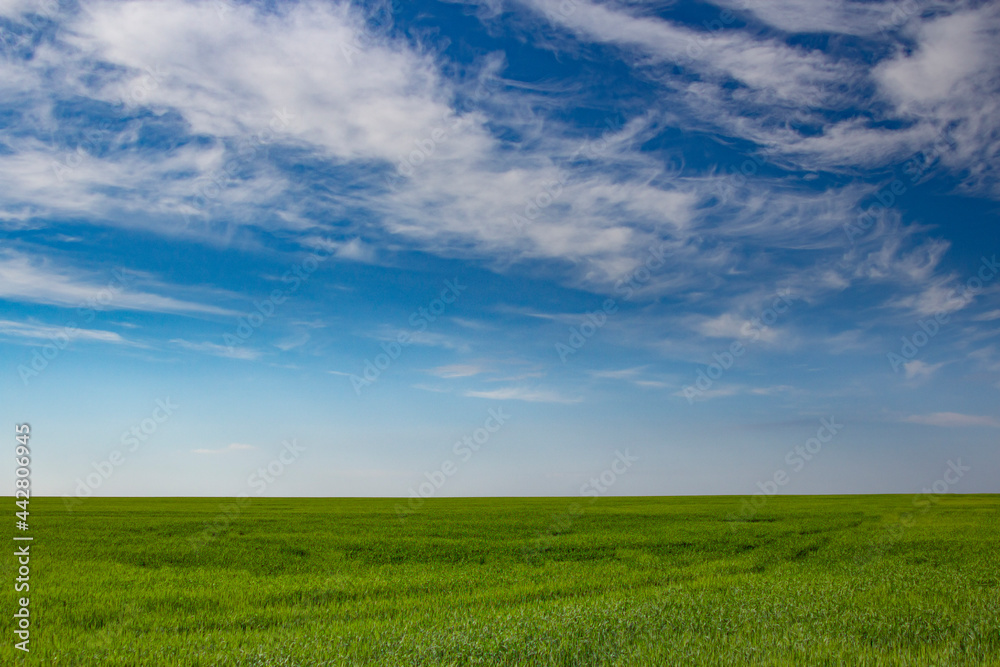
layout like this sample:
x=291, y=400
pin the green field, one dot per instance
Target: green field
x=807, y=580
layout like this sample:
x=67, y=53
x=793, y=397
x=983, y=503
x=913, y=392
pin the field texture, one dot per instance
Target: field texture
x=847, y=580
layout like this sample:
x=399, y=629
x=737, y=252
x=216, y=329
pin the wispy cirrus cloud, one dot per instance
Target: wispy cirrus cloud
x=846, y=17
x=452, y=371
x=206, y=347
x=953, y=420
x=35, y=331
x=605, y=200
x=531, y=395
x=619, y=374
x=943, y=92
x=988, y=316
x=635, y=375
x=232, y=447
x=729, y=390
x=590, y=206
x=33, y=279
x=917, y=369
x=765, y=65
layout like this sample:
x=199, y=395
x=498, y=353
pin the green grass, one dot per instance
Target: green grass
x=626, y=581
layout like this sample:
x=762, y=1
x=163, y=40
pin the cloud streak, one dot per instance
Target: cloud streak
x=529, y=395
x=953, y=420
x=32, y=279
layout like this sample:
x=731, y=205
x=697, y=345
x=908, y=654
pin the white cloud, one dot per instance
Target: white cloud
x=951, y=82
x=44, y=332
x=952, y=419
x=847, y=17
x=721, y=391
x=731, y=326
x=725, y=391
x=293, y=341
x=599, y=207
x=620, y=374
x=771, y=391
x=523, y=394
x=355, y=249
x=260, y=66
x=768, y=66
x=457, y=371
x=851, y=340
x=234, y=352
x=726, y=325
x=430, y=388
x=988, y=316
x=634, y=375
x=15, y=8
x=944, y=94
x=368, y=105
x=595, y=204
x=919, y=369
x=38, y=280
x=952, y=49
x=424, y=338
x=942, y=297
x=476, y=325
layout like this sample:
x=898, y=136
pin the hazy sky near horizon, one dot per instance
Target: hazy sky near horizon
x=493, y=247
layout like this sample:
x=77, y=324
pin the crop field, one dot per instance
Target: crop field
x=805, y=580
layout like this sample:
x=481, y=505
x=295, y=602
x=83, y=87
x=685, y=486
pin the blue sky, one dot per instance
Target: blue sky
x=556, y=230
